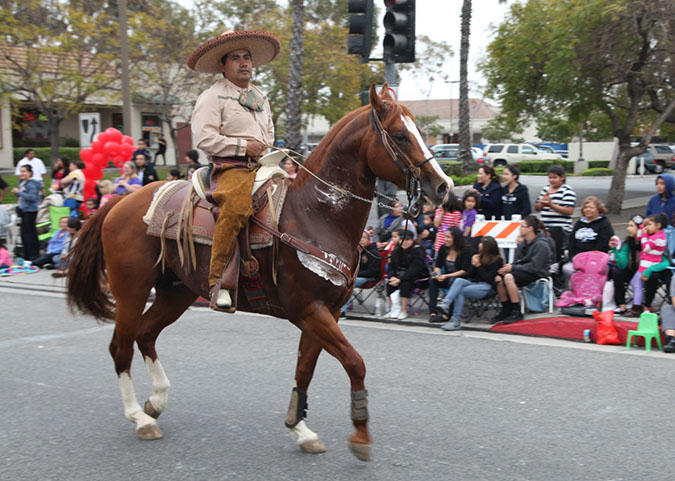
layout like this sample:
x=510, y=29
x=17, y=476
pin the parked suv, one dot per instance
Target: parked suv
x=657, y=159
x=502, y=154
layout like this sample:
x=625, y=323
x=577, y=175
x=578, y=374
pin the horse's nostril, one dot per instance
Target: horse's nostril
x=442, y=190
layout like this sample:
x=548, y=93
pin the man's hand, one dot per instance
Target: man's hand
x=505, y=269
x=254, y=148
x=394, y=281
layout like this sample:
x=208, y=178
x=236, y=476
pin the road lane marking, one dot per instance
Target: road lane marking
x=50, y=337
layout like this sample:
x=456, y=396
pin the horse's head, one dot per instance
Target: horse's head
x=399, y=150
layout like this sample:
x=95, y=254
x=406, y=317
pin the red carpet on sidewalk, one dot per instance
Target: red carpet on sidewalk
x=565, y=328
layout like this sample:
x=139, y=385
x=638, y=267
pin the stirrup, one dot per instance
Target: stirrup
x=201, y=182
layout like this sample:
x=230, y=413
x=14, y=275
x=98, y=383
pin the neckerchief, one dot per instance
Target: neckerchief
x=251, y=100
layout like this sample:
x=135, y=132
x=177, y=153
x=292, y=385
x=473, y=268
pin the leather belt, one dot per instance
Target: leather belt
x=240, y=162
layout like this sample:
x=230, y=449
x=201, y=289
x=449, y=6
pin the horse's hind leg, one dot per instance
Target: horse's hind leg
x=127, y=321
x=170, y=303
x=322, y=326
x=308, y=353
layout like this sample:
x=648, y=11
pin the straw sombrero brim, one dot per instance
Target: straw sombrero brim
x=263, y=47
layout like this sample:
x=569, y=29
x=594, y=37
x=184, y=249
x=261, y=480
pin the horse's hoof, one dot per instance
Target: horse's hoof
x=149, y=432
x=313, y=446
x=361, y=451
x=150, y=410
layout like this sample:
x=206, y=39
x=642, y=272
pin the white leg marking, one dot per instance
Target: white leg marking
x=132, y=410
x=160, y=384
x=303, y=433
x=412, y=127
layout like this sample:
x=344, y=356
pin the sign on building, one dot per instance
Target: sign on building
x=90, y=127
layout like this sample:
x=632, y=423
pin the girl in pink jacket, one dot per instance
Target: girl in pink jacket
x=5, y=256
x=653, y=247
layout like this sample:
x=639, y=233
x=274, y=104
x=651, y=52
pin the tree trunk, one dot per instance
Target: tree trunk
x=617, y=188
x=54, y=133
x=294, y=97
x=465, y=154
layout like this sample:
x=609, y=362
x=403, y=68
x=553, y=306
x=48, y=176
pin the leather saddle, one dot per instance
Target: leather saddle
x=179, y=211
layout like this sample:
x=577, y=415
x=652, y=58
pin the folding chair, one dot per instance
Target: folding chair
x=524, y=308
x=479, y=308
x=376, y=288
x=55, y=215
x=418, y=299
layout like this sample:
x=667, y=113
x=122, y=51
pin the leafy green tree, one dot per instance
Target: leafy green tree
x=503, y=128
x=577, y=57
x=57, y=56
x=162, y=37
x=428, y=125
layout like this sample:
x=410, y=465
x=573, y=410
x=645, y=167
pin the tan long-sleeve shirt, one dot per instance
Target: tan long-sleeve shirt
x=221, y=126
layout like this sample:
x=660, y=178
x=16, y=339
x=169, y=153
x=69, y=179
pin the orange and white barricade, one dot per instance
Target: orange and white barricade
x=505, y=232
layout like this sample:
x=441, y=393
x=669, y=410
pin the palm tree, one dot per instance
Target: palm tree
x=294, y=97
x=465, y=155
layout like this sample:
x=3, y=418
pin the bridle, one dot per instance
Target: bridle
x=413, y=174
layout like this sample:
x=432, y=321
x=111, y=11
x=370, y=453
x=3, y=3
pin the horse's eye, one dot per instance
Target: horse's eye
x=401, y=137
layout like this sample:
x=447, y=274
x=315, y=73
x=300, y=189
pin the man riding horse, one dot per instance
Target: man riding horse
x=232, y=123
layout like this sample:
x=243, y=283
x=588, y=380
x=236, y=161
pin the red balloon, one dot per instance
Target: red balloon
x=112, y=148
x=97, y=146
x=114, y=135
x=92, y=172
x=102, y=137
x=127, y=140
x=118, y=161
x=86, y=154
x=99, y=160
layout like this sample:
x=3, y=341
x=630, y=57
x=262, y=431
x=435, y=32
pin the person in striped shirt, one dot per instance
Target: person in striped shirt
x=448, y=215
x=556, y=203
x=652, y=258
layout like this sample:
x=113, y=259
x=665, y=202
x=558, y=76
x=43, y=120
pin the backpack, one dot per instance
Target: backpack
x=588, y=280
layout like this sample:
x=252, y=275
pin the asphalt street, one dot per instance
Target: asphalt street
x=460, y=406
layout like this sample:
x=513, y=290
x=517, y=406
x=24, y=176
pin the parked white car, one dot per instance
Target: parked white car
x=502, y=154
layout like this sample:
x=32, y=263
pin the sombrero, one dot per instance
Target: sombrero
x=263, y=47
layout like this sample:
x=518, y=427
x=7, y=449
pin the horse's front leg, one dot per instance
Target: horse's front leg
x=320, y=325
x=308, y=353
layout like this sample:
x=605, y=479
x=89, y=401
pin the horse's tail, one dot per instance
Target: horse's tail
x=87, y=291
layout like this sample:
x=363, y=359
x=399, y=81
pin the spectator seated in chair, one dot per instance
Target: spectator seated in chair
x=477, y=284
x=668, y=321
x=452, y=262
x=73, y=226
x=370, y=266
x=626, y=260
x=52, y=258
x=532, y=261
x=406, y=268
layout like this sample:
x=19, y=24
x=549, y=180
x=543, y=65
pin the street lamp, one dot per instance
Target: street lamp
x=450, y=131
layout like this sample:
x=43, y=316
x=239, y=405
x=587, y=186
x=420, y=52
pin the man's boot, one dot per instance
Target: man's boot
x=503, y=314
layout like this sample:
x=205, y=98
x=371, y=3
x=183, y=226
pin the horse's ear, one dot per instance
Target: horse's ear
x=385, y=93
x=375, y=100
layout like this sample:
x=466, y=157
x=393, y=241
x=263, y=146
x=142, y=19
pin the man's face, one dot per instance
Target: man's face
x=140, y=160
x=238, y=67
x=30, y=154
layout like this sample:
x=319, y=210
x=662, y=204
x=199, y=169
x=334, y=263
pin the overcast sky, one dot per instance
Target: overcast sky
x=440, y=20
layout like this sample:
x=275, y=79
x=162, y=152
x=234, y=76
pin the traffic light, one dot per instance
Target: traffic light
x=360, y=28
x=399, y=24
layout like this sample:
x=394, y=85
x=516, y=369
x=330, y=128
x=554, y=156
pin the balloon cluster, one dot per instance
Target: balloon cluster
x=109, y=146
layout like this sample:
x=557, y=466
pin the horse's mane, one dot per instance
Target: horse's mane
x=340, y=124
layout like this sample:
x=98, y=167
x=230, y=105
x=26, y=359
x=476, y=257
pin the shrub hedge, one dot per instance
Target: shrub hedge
x=533, y=166
x=44, y=153
x=597, y=172
x=452, y=168
x=598, y=164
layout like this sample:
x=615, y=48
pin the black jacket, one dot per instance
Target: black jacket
x=590, y=236
x=409, y=265
x=533, y=257
x=516, y=202
x=370, y=267
x=149, y=173
x=463, y=261
x=490, y=199
x=485, y=273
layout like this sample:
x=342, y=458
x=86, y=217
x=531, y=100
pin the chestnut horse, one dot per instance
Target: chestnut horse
x=380, y=140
